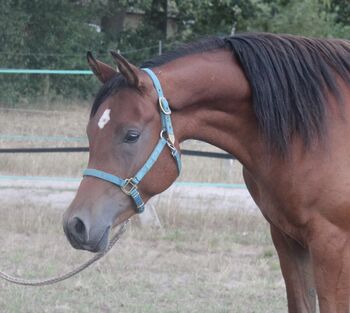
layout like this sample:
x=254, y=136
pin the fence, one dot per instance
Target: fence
x=72, y=149
x=216, y=155
x=50, y=84
x=84, y=149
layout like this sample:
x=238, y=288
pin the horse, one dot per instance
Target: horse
x=279, y=103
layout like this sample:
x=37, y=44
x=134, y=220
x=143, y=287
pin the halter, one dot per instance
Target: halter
x=167, y=138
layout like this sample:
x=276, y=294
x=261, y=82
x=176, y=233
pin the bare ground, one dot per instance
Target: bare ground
x=212, y=254
x=199, y=261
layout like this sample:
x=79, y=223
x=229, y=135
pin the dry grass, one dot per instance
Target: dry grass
x=72, y=124
x=200, y=261
x=43, y=123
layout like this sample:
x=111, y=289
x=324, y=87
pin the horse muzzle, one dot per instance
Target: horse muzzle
x=82, y=236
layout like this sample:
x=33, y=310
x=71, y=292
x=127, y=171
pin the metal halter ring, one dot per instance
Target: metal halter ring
x=167, y=138
x=161, y=99
x=170, y=140
x=129, y=186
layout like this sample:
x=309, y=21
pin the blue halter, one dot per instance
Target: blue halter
x=167, y=138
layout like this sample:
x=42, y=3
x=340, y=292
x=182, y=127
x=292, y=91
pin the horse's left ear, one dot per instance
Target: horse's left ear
x=102, y=71
x=128, y=70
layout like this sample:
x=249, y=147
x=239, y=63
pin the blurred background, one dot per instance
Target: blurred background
x=209, y=249
x=56, y=34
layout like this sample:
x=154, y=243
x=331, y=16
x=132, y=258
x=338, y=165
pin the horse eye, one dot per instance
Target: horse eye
x=131, y=136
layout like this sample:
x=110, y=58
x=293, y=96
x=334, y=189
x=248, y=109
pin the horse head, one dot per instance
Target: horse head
x=128, y=133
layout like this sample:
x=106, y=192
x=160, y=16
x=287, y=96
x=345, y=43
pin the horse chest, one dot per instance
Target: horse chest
x=292, y=209
x=278, y=208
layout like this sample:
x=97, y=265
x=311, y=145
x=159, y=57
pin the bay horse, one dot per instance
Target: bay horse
x=279, y=103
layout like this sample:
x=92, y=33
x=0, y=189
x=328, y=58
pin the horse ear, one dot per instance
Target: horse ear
x=128, y=70
x=102, y=71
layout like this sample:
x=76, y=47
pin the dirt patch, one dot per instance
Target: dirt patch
x=61, y=192
x=207, y=260
x=213, y=252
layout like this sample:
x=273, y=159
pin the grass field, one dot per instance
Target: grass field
x=65, y=123
x=198, y=262
x=203, y=261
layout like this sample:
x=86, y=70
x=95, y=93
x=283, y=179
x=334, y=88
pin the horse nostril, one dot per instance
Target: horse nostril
x=78, y=230
x=79, y=226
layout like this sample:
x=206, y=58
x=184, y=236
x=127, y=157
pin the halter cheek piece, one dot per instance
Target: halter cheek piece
x=167, y=138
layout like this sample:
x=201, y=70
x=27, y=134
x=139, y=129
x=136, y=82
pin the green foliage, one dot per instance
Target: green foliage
x=215, y=17
x=300, y=17
x=49, y=35
x=303, y=17
x=56, y=34
x=341, y=8
x=12, y=26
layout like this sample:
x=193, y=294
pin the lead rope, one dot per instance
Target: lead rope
x=53, y=280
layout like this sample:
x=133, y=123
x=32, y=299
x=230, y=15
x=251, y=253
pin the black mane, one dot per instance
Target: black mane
x=289, y=76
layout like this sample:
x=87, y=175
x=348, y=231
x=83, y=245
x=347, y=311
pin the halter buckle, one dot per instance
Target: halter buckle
x=129, y=186
x=166, y=112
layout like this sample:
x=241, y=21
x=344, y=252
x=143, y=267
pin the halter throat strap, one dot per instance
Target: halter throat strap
x=167, y=138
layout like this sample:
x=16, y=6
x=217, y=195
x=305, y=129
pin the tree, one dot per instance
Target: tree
x=305, y=17
x=12, y=27
x=198, y=18
x=42, y=34
x=300, y=17
x=342, y=10
x=56, y=34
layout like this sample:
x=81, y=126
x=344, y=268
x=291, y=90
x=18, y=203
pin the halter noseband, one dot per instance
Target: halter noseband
x=129, y=185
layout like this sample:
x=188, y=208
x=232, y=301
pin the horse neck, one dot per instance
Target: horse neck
x=210, y=98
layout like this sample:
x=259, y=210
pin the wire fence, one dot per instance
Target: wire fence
x=47, y=82
x=208, y=154
x=10, y=137
x=42, y=75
